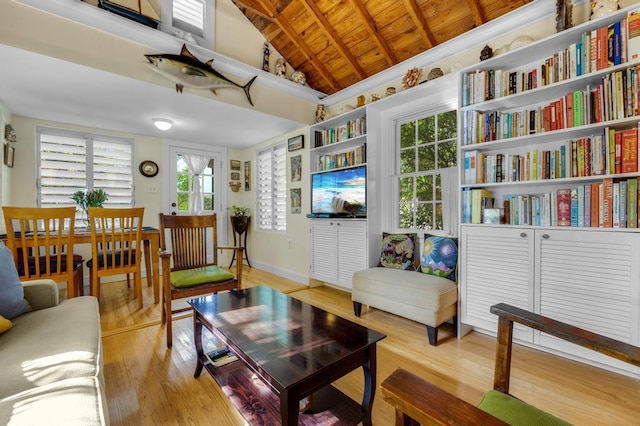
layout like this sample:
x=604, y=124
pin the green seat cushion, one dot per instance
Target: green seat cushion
x=515, y=412
x=196, y=276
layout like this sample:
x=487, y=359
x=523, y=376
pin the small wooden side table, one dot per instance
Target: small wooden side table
x=240, y=226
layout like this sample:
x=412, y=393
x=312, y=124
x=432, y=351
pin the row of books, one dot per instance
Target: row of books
x=608, y=204
x=348, y=130
x=617, y=97
x=610, y=153
x=343, y=159
x=598, y=49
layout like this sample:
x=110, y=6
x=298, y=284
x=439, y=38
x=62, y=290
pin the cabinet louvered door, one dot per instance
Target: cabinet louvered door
x=496, y=267
x=324, y=256
x=590, y=280
x=352, y=250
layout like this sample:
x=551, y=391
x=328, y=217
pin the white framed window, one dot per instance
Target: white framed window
x=190, y=20
x=73, y=161
x=426, y=160
x=272, y=188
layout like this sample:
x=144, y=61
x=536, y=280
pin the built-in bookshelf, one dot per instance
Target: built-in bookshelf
x=548, y=136
x=558, y=115
x=339, y=142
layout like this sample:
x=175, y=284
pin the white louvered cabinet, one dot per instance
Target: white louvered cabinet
x=587, y=278
x=338, y=249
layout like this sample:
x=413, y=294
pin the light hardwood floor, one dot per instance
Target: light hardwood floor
x=147, y=384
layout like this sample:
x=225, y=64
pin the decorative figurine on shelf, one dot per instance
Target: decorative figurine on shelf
x=360, y=101
x=600, y=8
x=298, y=77
x=411, y=78
x=390, y=91
x=564, y=15
x=486, y=53
x=375, y=97
x=281, y=67
x=434, y=73
x=265, y=56
x=320, y=113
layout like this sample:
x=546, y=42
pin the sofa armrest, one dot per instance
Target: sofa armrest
x=41, y=294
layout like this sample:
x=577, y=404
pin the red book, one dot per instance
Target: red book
x=607, y=202
x=564, y=207
x=595, y=205
x=630, y=150
x=618, y=152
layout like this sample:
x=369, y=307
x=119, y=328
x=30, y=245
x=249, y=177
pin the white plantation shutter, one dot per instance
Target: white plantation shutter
x=188, y=15
x=272, y=189
x=70, y=162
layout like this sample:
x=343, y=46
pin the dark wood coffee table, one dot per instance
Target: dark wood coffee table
x=287, y=350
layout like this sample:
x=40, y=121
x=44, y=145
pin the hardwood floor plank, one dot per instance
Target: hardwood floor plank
x=149, y=385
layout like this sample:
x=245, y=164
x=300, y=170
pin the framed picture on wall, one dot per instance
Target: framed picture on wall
x=296, y=168
x=247, y=175
x=234, y=164
x=235, y=175
x=9, y=153
x=296, y=143
x=296, y=200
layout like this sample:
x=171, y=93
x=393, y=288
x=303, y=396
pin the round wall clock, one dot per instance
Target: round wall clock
x=148, y=168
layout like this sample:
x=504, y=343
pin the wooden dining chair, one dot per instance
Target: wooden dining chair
x=41, y=240
x=195, y=270
x=116, y=248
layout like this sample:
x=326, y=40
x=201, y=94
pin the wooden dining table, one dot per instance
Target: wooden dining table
x=151, y=247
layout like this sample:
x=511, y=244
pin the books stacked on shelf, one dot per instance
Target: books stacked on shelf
x=343, y=159
x=220, y=357
x=616, y=97
x=474, y=201
x=607, y=204
x=612, y=152
x=596, y=50
x=348, y=130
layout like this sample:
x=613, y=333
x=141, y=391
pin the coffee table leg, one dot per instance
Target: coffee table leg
x=369, y=369
x=289, y=407
x=197, y=338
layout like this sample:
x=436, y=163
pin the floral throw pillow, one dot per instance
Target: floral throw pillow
x=439, y=256
x=398, y=251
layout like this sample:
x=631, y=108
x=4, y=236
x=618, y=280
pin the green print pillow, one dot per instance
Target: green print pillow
x=439, y=256
x=398, y=251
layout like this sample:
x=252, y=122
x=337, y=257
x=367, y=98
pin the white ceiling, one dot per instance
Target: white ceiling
x=42, y=87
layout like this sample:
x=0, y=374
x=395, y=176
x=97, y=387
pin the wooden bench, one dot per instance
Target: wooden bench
x=417, y=401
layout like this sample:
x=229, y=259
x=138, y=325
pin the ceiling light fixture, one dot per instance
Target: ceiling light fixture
x=162, y=123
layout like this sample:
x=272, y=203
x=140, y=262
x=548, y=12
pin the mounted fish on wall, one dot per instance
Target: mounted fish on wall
x=185, y=70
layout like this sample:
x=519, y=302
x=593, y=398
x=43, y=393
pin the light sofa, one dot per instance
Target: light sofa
x=51, y=367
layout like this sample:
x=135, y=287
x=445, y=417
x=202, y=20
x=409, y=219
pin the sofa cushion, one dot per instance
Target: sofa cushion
x=5, y=324
x=12, y=301
x=77, y=401
x=516, y=412
x=51, y=344
x=398, y=251
x=439, y=256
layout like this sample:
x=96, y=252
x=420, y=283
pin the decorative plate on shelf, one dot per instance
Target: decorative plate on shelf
x=148, y=168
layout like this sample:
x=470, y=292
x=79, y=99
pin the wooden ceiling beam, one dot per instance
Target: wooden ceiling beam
x=373, y=32
x=300, y=44
x=476, y=12
x=337, y=42
x=254, y=7
x=420, y=23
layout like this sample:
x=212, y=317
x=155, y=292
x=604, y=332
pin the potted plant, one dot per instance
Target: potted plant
x=240, y=218
x=85, y=199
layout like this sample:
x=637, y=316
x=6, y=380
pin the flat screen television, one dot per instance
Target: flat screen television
x=337, y=193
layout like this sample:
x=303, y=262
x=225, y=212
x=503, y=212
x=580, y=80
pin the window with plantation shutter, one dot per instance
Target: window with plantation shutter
x=70, y=162
x=272, y=189
x=188, y=15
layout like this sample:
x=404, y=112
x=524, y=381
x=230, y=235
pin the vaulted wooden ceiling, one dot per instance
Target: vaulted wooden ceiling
x=337, y=43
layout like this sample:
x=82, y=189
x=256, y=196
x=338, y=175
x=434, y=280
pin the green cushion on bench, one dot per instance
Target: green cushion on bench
x=515, y=412
x=196, y=276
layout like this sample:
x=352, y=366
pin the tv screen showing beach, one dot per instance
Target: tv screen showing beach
x=340, y=192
